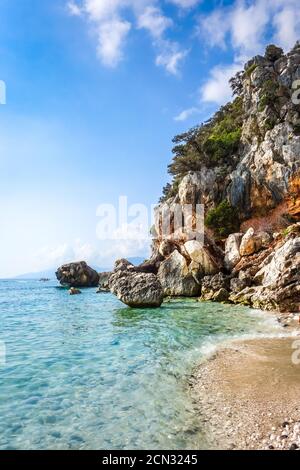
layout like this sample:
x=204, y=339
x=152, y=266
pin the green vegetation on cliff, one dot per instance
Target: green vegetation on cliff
x=223, y=220
x=211, y=144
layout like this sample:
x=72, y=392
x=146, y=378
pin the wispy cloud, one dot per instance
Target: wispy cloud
x=171, y=57
x=186, y=114
x=217, y=89
x=245, y=28
x=185, y=3
x=154, y=21
x=112, y=21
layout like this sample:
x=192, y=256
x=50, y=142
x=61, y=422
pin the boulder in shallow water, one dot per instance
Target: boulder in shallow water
x=74, y=291
x=177, y=277
x=77, y=274
x=135, y=289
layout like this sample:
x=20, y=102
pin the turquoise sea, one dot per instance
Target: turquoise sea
x=86, y=372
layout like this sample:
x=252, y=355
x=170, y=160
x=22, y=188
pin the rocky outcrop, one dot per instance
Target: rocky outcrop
x=276, y=284
x=77, y=275
x=134, y=288
x=242, y=167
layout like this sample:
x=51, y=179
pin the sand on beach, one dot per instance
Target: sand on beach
x=248, y=395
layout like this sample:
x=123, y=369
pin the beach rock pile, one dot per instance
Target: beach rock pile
x=135, y=288
x=216, y=288
x=77, y=275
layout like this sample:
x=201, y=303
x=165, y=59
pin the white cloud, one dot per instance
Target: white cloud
x=248, y=23
x=213, y=28
x=103, y=255
x=186, y=114
x=217, y=88
x=171, y=57
x=246, y=27
x=109, y=19
x=111, y=38
x=154, y=21
x=99, y=10
x=74, y=9
x=287, y=25
x=52, y=257
x=185, y=3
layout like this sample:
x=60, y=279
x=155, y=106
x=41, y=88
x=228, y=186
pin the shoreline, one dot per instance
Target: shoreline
x=246, y=393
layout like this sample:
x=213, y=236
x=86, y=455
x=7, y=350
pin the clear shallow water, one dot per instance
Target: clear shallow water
x=86, y=372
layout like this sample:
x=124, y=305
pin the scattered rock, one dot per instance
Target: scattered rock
x=216, y=288
x=74, y=291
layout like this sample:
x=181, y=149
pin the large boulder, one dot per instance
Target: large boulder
x=135, y=288
x=77, y=274
x=177, y=278
x=232, y=250
x=252, y=242
x=201, y=256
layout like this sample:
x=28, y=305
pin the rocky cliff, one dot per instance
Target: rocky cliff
x=244, y=167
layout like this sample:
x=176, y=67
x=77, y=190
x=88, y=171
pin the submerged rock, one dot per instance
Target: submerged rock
x=135, y=289
x=77, y=275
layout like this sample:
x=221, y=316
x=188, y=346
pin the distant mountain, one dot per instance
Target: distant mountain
x=49, y=274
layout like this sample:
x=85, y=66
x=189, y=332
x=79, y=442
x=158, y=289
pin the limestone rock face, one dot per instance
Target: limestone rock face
x=135, y=289
x=176, y=277
x=277, y=282
x=198, y=187
x=232, y=250
x=285, y=258
x=260, y=179
x=77, y=275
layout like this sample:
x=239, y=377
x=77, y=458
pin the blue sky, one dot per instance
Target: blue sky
x=96, y=89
